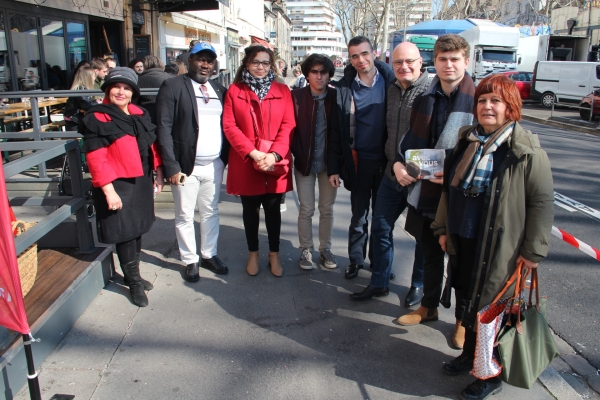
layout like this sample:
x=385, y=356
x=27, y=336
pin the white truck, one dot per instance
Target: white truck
x=551, y=48
x=493, y=47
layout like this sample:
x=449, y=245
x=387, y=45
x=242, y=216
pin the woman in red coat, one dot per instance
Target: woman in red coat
x=255, y=102
x=119, y=145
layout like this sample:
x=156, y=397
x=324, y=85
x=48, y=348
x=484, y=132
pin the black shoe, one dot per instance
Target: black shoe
x=352, y=270
x=369, y=292
x=458, y=366
x=414, y=296
x=392, y=276
x=215, y=265
x=131, y=271
x=482, y=389
x=191, y=273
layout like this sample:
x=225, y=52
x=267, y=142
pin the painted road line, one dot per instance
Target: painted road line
x=578, y=244
x=566, y=207
x=577, y=205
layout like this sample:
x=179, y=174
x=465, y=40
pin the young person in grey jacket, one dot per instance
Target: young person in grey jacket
x=391, y=196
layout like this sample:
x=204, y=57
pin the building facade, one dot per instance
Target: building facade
x=313, y=29
x=278, y=28
x=41, y=44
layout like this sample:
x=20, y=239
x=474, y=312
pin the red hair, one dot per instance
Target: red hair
x=506, y=89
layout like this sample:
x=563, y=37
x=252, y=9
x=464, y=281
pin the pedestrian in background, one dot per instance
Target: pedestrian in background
x=77, y=106
x=300, y=80
x=359, y=148
x=189, y=112
x=258, y=107
x=436, y=118
x=152, y=77
x=172, y=69
x=315, y=111
x=495, y=212
x=121, y=155
x=391, y=196
x=137, y=65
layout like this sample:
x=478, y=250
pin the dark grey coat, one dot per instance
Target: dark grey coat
x=399, y=106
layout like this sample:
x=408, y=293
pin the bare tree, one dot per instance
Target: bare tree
x=352, y=15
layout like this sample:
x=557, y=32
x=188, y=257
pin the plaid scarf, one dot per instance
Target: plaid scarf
x=474, y=171
x=260, y=86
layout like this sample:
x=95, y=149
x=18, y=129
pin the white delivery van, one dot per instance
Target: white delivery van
x=566, y=81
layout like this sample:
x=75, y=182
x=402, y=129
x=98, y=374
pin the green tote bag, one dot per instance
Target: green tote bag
x=527, y=348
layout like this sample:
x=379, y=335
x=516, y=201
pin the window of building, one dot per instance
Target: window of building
x=24, y=37
x=77, y=43
x=5, y=60
x=53, y=38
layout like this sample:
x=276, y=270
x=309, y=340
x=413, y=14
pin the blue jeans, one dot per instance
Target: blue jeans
x=391, y=202
x=362, y=197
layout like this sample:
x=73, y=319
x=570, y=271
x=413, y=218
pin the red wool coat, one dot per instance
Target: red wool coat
x=121, y=159
x=277, y=111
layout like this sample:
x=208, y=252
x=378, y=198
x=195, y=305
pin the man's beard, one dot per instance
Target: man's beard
x=197, y=77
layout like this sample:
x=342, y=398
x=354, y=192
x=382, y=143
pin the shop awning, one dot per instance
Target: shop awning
x=187, y=5
x=260, y=41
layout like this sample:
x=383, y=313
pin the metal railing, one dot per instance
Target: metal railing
x=67, y=205
x=37, y=133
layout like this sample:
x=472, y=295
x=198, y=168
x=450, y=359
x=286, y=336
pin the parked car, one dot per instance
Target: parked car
x=564, y=81
x=521, y=78
x=587, y=102
x=431, y=71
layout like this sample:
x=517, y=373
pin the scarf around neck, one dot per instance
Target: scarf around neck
x=474, y=171
x=260, y=86
x=99, y=134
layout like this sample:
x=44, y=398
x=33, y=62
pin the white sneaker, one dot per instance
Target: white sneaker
x=327, y=259
x=306, y=259
x=282, y=207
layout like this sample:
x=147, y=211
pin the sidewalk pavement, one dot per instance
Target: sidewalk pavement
x=562, y=117
x=235, y=336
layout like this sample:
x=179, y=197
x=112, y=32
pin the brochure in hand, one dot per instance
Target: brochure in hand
x=425, y=162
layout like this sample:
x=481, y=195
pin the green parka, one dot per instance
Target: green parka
x=517, y=217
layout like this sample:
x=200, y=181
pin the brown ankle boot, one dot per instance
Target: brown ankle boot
x=252, y=267
x=275, y=264
x=419, y=316
x=458, y=339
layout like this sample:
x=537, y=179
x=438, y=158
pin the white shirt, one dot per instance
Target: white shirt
x=210, y=141
x=357, y=78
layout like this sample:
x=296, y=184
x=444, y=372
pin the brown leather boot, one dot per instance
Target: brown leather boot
x=275, y=264
x=419, y=316
x=252, y=267
x=458, y=339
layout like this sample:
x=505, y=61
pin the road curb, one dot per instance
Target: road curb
x=563, y=125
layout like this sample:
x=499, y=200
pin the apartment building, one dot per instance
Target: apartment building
x=313, y=29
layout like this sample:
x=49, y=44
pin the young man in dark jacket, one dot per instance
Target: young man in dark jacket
x=391, y=197
x=359, y=148
x=315, y=111
x=436, y=118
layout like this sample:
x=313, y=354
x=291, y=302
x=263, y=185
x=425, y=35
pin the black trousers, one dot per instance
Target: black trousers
x=433, y=268
x=250, y=213
x=128, y=251
x=465, y=260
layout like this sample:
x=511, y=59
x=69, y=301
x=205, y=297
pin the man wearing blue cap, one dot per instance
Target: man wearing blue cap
x=194, y=151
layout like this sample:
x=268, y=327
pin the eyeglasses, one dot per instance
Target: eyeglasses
x=398, y=63
x=265, y=64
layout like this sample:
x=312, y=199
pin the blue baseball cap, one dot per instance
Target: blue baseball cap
x=203, y=46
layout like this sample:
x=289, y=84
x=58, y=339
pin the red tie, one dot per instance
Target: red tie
x=205, y=93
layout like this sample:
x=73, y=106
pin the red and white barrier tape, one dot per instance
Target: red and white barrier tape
x=578, y=244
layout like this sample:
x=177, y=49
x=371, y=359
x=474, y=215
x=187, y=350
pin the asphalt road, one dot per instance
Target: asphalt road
x=570, y=278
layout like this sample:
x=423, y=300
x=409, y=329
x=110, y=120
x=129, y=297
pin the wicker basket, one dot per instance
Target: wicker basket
x=28, y=261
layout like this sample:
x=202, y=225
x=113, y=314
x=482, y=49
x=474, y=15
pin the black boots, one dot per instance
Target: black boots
x=131, y=273
x=147, y=284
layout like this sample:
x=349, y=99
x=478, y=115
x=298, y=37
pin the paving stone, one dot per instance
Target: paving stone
x=560, y=389
x=594, y=382
x=579, y=364
x=562, y=346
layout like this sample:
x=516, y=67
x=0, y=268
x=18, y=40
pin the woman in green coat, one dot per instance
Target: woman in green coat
x=496, y=211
